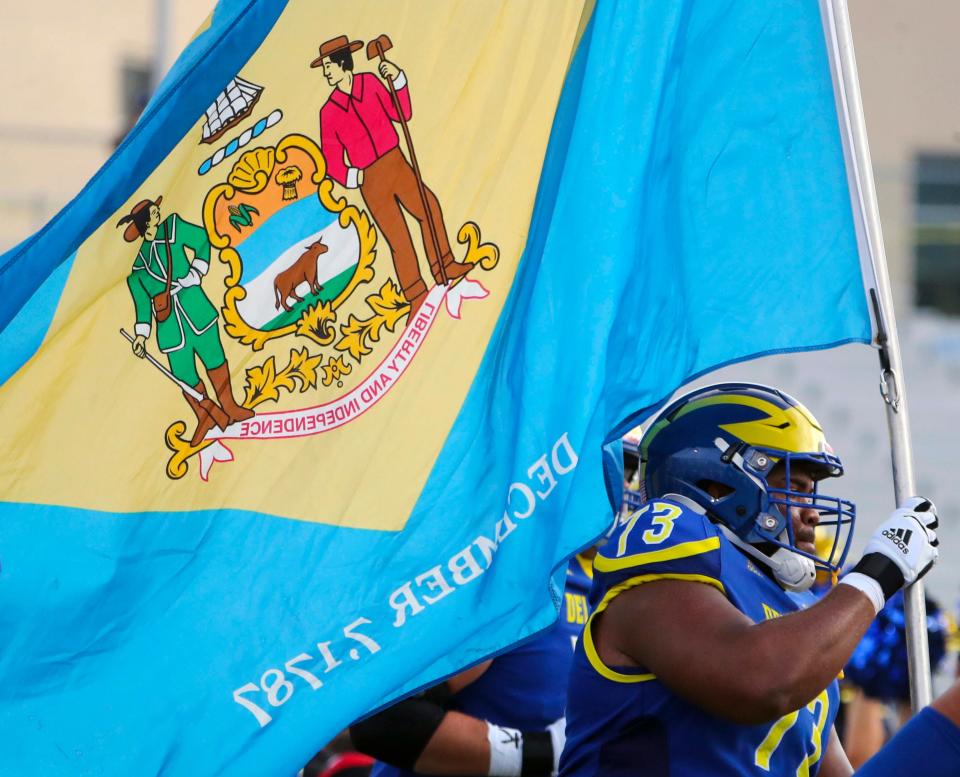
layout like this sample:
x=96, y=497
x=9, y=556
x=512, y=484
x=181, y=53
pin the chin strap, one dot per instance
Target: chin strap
x=791, y=570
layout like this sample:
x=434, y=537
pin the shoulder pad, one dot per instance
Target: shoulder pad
x=660, y=532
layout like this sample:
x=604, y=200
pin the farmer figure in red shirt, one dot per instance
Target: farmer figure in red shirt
x=362, y=149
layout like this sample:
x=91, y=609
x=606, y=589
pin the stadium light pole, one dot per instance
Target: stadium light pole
x=870, y=235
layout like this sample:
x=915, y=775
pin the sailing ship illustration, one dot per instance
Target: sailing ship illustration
x=232, y=106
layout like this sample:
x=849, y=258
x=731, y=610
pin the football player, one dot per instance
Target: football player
x=503, y=717
x=706, y=653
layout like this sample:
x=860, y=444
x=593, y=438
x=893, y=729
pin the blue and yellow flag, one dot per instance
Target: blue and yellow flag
x=305, y=396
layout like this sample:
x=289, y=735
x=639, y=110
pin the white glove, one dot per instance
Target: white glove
x=192, y=278
x=900, y=551
x=908, y=538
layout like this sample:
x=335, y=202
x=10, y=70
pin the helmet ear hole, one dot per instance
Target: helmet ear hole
x=714, y=489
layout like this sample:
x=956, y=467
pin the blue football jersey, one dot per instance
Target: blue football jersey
x=527, y=687
x=622, y=721
x=929, y=745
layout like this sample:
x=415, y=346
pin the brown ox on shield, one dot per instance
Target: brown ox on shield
x=304, y=270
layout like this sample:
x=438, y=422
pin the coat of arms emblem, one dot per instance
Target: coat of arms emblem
x=338, y=261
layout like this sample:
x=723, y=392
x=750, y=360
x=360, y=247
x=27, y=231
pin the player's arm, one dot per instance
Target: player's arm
x=834, y=762
x=948, y=704
x=460, y=741
x=864, y=732
x=708, y=652
x=704, y=649
x=419, y=734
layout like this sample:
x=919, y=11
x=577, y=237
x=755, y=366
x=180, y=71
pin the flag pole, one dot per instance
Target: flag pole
x=892, y=389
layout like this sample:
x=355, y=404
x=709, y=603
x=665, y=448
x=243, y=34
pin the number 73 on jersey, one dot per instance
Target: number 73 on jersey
x=661, y=524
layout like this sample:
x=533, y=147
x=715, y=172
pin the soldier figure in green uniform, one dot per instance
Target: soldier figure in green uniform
x=187, y=330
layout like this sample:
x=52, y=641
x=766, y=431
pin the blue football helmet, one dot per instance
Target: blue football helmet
x=734, y=435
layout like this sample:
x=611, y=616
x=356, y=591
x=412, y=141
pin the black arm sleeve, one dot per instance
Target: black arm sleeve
x=398, y=734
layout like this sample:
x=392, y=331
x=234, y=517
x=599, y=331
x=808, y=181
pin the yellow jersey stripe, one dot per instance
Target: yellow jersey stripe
x=680, y=550
x=590, y=649
x=601, y=668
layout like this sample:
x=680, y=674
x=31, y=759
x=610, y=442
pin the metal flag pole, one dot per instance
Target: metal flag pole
x=850, y=108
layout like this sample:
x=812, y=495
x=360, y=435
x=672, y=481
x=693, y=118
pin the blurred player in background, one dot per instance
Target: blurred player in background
x=503, y=717
x=928, y=745
x=878, y=677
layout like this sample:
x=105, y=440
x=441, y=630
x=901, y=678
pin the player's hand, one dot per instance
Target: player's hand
x=140, y=346
x=900, y=552
x=389, y=70
x=908, y=538
x=558, y=738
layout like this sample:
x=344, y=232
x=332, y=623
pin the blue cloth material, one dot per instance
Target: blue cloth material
x=692, y=211
x=24, y=334
x=929, y=744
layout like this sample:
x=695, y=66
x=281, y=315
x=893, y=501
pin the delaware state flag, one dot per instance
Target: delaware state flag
x=304, y=398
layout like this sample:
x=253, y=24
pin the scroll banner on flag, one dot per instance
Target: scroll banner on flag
x=457, y=251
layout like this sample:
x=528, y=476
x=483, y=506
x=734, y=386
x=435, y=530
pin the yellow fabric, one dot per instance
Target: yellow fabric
x=484, y=80
x=773, y=739
x=680, y=550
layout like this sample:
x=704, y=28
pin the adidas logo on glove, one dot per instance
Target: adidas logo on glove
x=899, y=537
